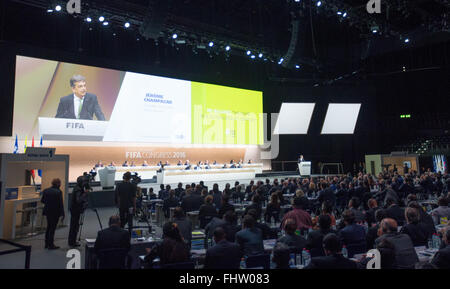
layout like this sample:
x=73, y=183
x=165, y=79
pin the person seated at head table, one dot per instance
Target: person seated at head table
x=198, y=166
x=159, y=164
x=132, y=164
x=215, y=163
x=187, y=163
x=224, y=166
x=231, y=162
x=179, y=163
x=249, y=161
x=99, y=164
x=166, y=163
x=125, y=164
x=207, y=165
x=145, y=164
x=112, y=164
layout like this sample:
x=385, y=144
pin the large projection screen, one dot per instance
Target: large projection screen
x=294, y=118
x=341, y=118
x=119, y=106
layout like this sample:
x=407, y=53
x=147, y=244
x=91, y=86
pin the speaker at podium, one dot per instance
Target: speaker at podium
x=304, y=168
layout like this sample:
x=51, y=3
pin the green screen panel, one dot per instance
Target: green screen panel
x=226, y=115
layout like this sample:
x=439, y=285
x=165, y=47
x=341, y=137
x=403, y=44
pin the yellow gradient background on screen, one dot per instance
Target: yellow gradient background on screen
x=226, y=115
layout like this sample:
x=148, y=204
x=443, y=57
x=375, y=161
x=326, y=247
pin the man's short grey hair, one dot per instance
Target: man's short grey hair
x=75, y=79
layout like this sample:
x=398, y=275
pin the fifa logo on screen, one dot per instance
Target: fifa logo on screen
x=75, y=259
x=374, y=6
x=375, y=262
x=74, y=125
x=74, y=6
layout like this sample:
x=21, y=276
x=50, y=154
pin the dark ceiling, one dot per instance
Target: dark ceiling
x=328, y=45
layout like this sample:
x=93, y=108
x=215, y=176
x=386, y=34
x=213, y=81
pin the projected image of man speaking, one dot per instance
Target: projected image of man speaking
x=80, y=104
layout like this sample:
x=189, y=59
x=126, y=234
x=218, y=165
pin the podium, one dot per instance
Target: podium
x=304, y=168
x=107, y=177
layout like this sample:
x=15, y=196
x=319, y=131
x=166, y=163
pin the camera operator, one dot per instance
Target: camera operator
x=126, y=200
x=78, y=204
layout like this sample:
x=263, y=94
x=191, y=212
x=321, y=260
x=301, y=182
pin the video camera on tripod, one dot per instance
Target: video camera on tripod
x=135, y=178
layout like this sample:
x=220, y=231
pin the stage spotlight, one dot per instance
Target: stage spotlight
x=49, y=10
x=339, y=13
x=101, y=18
x=228, y=48
x=345, y=15
x=374, y=31
x=281, y=60
x=407, y=40
x=297, y=66
x=319, y=3
x=211, y=44
x=253, y=56
x=174, y=36
x=106, y=23
x=249, y=52
x=89, y=19
x=260, y=55
x=58, y=8
x=127, y=25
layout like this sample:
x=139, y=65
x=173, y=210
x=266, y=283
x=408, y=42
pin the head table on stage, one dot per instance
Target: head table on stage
x=175, y=174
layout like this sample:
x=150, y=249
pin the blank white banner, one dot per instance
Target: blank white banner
x=341, y=118
x=294, y=118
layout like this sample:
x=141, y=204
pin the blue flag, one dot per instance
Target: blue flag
x=40, y=171
x=16, y=146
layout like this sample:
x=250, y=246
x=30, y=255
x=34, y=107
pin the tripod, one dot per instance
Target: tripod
x=82, y=221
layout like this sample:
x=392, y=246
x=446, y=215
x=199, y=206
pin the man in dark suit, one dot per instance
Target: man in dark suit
x=53, y=209
x=79, y=104
x=394, y=211
x=250, y=238
x=224, y=255
x=113, y=237
x=126, y=200
x=405, y=254
x=334, y=258
x=352, y=235
x=191, y=202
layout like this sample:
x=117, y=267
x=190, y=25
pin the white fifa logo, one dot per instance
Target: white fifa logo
x=74, y=6
x=374, y=6
x=75, y=261
x=375, y=262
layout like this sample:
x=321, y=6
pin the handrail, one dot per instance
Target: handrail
x=21, y=248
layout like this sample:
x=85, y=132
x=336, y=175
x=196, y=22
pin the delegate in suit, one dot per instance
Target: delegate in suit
x=80, y=104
